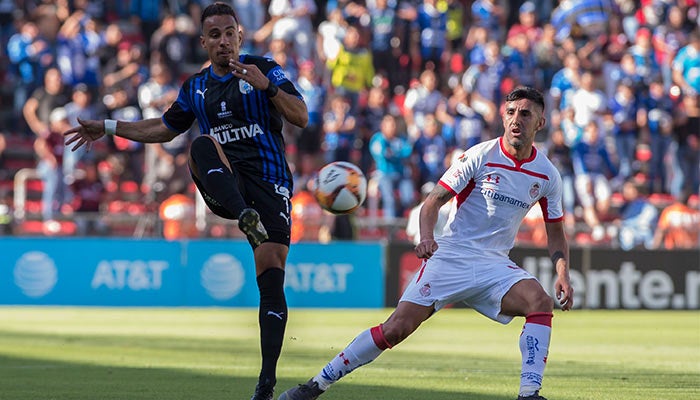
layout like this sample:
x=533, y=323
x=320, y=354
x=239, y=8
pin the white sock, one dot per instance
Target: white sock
x=367, y=346
x=534, y=346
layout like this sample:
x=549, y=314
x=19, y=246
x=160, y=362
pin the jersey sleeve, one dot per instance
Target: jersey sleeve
x=179, y=117
x=551, y=201
x=461, y=172
x=275, y=74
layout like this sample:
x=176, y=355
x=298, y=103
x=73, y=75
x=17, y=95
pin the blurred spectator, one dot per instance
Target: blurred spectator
x=465, y=127
x=413, y=224
x=383, y=40
x=352, y=70
x=88, y=195
x=430, y=151
x=644, y=57
x=251, y=14
x=432, y=26
x=657, y=118
x=637, y=218
x=592, y=170
x=484, y=82
x=29, y=55
x=164, y=162
x=340, y=129
x=170, y=44
x=520, y=60
x=49, y=149
x=81, y=106
x=686, y=66
x=546, y=64
x=527, y=23
x=177, y=212
x=667, y=39
x=4, y=173
x=391, y=151
x=588, y=102
x=76, y=50
x=489, y=14
x=679, y=225
x=370, y=121
x=565, y=82
x=291, y=22
x=128, y=70
x=146, y=15
x=45, y=99
x=559, y=153
x=314, y=94
x=111, y=38
x=624, y=108
x=330, y=35
x=421, y=100
x=687, y=130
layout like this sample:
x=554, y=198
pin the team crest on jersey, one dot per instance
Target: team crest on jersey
x=535, y=190
x=224, y=111
x=244, y=87
x=425, y=290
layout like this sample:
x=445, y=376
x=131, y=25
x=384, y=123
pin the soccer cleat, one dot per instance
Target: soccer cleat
x=535, y=396
x=249, y=223
x=307, y=391
x=263, y=392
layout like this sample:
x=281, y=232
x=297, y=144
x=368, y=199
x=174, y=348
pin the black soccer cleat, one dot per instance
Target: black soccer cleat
x=535, y=396
x=263, y=392
x=307, y=391
x=249, y=223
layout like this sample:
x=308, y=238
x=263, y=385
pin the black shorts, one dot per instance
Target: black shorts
x=271, y=201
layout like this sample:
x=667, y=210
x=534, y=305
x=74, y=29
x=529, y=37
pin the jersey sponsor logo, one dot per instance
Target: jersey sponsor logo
x=227, y=133
x=219, y=170
x=245, y=87
x=201, y=93
x=492, y=194
x=224, y=113
x=285, y=216
x=532, y=347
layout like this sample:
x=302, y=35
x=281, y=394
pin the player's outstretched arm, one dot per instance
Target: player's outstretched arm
x=559, y=251
x=428, y=218
x=151, y=130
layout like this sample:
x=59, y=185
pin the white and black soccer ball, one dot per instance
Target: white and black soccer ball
x=340, y=187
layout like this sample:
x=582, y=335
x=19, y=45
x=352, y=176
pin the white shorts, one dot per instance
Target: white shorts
x=480, y=283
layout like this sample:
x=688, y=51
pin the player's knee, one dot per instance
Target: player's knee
x=202, y=145
x=542, y=302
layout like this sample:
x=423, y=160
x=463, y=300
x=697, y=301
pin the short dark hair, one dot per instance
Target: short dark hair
x=526, y=92
x=218, y=8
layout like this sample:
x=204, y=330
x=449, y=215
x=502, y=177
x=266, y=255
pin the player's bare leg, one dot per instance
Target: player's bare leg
x=527, y=298
x=366, y=347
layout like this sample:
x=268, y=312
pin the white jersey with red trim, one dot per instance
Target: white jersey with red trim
x=494, y=192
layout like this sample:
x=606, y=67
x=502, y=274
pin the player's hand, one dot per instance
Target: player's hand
x=565, y=293
x=249, y=73
x=426, y=248
x=86, y=132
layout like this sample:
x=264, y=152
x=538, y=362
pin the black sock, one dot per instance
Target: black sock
x=220, y=184
x=273, y=319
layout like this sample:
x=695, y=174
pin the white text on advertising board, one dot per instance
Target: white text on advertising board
x=319, y=278
x=129, y=274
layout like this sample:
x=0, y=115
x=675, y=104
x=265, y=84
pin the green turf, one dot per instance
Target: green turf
x=143, y=353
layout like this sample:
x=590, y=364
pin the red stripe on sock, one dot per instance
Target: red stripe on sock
x=379, y=339
x=540, y=318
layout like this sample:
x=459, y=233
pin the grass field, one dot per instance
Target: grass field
x=208, y=354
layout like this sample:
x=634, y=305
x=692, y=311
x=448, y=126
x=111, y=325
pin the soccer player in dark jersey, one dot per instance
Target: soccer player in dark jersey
x=238, y=163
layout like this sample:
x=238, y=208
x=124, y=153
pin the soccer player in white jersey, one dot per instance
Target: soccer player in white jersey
x=495, y=184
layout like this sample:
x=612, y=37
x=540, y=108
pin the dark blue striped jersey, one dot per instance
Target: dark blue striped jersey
x=242, y=119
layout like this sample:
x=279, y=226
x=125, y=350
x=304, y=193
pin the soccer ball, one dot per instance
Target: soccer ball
x=340, y=187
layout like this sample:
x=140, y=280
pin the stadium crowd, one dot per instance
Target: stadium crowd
x=395, y=86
